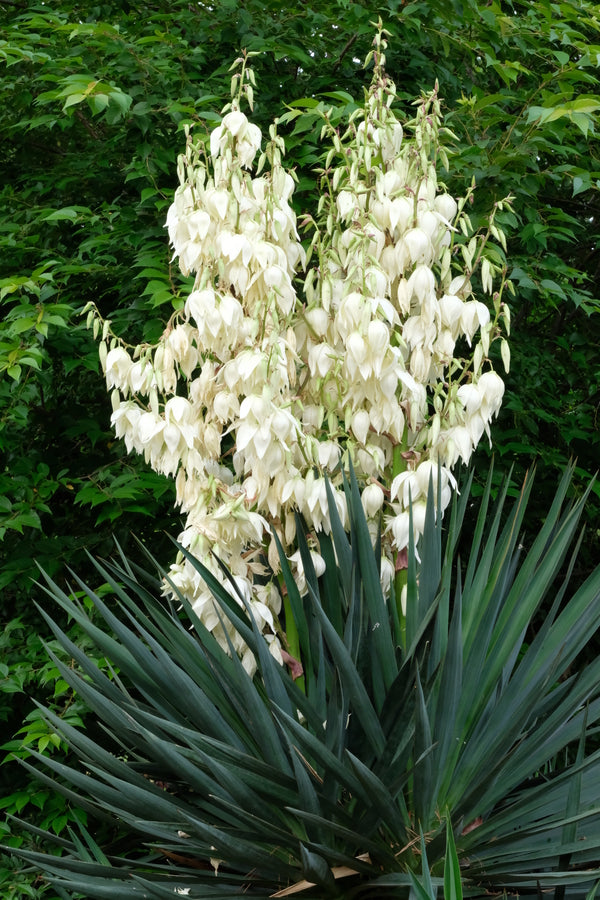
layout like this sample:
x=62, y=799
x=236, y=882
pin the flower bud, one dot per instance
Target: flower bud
x=446, y=206
x=318, y=320
x=372, y=499
x=346, y=205
x=421, y=283
x=360, y=425
x=429, y=223
x=419, y=246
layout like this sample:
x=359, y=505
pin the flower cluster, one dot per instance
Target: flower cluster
x=387, y=307
x=287, y=380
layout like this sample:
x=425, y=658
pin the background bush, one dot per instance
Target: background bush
x=93, y=103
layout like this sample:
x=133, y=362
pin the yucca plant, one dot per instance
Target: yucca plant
x=406, y=743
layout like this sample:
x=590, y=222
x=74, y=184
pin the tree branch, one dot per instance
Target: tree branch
x=349, y=43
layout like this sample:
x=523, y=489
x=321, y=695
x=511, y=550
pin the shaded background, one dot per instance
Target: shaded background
x=93, y=100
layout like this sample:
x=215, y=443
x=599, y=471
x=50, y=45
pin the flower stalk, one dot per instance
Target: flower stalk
x=274, y=376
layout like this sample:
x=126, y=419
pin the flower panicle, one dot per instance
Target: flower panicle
x=274, y=376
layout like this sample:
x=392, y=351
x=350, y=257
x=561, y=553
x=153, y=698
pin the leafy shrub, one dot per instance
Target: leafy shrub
x=88, y=177
x=28, y=677
x=321, y=779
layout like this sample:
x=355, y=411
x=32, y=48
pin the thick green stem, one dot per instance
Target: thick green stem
x=400, y=578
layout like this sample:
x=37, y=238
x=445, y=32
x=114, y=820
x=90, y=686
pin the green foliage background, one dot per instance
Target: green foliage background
x=93, y=98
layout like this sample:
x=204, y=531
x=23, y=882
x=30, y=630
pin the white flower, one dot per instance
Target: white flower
x=372, y=499
x=474, y=315
x=182, y=348
x=427, y=474
x=226, y=406
x=180, y=412
x=141, y=377
x=329, y=453
x=118, y=367
x=360, y=425
x=312, y=417
x=447, y=206
x=378, y=338
x=453, y=444
x=401, y=214
x=198, y=224
x=298, y=565
x=124, y=420
x=400, y=528
x=406, y=487
x=346, y=205
x=350, y=314
x=470, y=397
x=390, y=141
x=217, y=203
x=249, y=146
x=420, y=364
x=421, y=283
x=419, y=246
x=430, y=223
x=235, y=122
x=491, y=388
x=233, y=246
x=358, y=357
x=419, y=511
x=315, y=504
x=419, y=333
x=318, y=320
x=180, y=209
x=443, y=347
x=216, y=141
x=386, y=575
x=451, y=308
